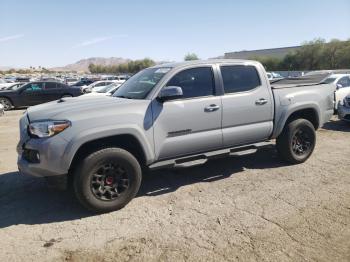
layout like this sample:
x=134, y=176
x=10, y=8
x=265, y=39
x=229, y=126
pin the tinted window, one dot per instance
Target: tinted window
x=344, y=81
x=329, y=80
x=34, y=87
x=59, y=85
x=101, y=84
x=239, y=78
x=194, y=82
x=50, y=85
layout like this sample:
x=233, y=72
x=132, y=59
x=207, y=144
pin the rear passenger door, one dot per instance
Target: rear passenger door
x=52, y=91
x=192, y=123
x=247, y=105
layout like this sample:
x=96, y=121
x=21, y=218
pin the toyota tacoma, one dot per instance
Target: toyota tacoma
x=169, y=115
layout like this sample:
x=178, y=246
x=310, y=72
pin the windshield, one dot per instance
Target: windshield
x=14, y=87
x=139, y=86
x=329, y=80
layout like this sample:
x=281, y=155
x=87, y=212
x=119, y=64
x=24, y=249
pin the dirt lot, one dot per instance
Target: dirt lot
x=252, y=208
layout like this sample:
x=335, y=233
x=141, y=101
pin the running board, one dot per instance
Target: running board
x=199, y=159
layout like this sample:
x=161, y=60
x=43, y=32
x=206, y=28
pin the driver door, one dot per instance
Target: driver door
x=32, y=94
x=192, y=123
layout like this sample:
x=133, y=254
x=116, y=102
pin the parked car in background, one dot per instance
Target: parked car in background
x=102, y=83
x=35, y=93
x=104, y=91
x=84, y=82
x=13, y=86
x=121, y=78
x=50, y=79
x=341, y=83
x=344, y=109
x=273, y=76
x=169, y=115
x=71, y=81
x=4, y=84
x=2, y=109
x=23, y=79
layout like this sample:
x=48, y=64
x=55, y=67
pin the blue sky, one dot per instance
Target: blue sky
x=55, y=33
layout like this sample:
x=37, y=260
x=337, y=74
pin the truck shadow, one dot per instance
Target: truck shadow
x=27, y=200
x=337, y=125
x=169, y=180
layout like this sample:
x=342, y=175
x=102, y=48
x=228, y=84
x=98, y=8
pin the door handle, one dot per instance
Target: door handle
x=261, y=101
x=211, y=108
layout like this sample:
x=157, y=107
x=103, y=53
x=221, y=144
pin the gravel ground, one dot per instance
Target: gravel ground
x=251, y=208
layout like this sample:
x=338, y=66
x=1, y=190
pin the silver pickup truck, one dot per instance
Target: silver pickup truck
x=170, y=115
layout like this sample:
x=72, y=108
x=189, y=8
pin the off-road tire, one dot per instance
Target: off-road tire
x=286, y=141
x=87, y=170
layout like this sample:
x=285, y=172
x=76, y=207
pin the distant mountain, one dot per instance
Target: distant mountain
x=83, y=65
x=4, y=68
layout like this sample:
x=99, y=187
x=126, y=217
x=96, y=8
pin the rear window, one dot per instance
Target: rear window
x=239, y=78
x=50, y=85
x=329, y=80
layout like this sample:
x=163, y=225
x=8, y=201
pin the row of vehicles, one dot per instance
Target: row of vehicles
x=16, y=95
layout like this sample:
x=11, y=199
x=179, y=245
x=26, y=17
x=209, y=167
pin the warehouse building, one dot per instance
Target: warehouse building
x=271, y=52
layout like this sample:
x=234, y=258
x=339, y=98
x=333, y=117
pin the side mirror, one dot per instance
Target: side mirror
x=170, y=93
x=339, y=86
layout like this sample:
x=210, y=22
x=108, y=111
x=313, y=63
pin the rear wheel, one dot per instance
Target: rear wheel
x=6, y=103
x=107, y=179
x=297, y=141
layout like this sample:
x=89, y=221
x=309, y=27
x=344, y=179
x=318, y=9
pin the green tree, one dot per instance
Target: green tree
x=129, y=67
x=190, y=57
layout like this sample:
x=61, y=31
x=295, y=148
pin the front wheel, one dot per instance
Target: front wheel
x=107, y=179
x=6, y=103
x=297, y=141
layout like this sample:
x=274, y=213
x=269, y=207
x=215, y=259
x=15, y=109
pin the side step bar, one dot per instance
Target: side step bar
x=198, y=159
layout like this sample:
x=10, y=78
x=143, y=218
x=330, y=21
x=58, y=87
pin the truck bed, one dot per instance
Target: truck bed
x=281, y=86
x=290, y=98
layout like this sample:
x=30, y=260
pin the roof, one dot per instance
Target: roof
x=199, y=62
x=338, y=75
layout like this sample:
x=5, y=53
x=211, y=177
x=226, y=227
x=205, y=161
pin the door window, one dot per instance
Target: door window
x=239, y=78
x=195, y=82
x=50, y=85
x=344, y=81
x=34, y=87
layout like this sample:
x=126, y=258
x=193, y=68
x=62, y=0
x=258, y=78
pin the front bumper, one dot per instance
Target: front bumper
x=344, y=113
x=50, y=151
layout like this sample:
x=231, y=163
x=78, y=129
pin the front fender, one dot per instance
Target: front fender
x=103, y=132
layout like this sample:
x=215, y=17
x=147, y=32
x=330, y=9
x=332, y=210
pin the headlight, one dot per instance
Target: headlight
x=47, y=128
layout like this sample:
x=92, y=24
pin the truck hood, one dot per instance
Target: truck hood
x=83, y=107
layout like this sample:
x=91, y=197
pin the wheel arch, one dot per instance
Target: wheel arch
x=309, y=113
x=125, y=141
x=2, y=96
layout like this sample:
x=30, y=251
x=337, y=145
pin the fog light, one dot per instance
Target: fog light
x=32, y=156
